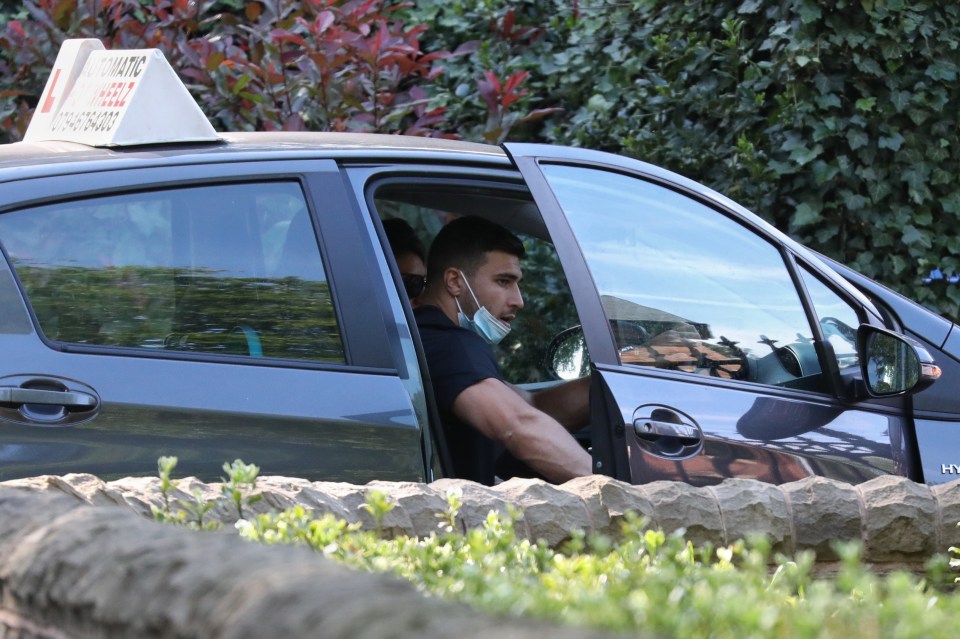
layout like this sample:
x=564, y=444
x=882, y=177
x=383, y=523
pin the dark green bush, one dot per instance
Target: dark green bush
x=834, y=120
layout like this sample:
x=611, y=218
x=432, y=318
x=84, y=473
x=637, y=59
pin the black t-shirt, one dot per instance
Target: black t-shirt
x=457, y=359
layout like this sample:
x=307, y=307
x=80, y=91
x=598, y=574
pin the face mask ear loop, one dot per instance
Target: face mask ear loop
x=469, y=288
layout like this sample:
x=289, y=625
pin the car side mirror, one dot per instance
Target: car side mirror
x=893, y=364
x=566, y=357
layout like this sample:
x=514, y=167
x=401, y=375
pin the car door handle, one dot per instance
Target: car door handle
x=666, y=433
x=654, y=429
x=71, y=399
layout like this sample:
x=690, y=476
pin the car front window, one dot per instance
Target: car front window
x=684, y=287
x=222, y=269
x=838, y=320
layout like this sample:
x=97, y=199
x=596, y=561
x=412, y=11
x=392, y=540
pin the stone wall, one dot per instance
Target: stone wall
x=68, y=570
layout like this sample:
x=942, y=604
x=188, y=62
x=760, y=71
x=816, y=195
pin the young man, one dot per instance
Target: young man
x=472, y=295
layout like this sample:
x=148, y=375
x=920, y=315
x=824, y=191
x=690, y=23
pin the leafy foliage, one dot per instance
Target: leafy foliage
x=835, y=120
x=642, y=581
x=832, y=120
x=237, y=488
x=342, y=66
x=186, y=513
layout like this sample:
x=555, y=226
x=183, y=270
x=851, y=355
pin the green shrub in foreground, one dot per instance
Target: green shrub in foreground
x=642, y=581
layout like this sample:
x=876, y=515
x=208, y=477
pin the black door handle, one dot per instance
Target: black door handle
x=71, y=399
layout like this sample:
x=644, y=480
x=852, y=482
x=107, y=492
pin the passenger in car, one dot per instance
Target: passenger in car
x=472, y=295
x=409, y=255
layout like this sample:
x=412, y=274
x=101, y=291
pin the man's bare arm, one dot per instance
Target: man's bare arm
x=568, y=403
x=531, y=435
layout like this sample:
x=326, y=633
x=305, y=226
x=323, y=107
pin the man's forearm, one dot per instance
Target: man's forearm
x=544, y=445
x=568, y=403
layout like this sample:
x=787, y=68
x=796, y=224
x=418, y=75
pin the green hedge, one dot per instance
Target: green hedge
x=834, y=120
x=643, y=581
x=837, y=121
x=640, y=581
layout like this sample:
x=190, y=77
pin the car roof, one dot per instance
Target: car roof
x=24, y=160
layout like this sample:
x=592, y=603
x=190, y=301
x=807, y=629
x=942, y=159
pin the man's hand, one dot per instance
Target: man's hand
x=502, y=414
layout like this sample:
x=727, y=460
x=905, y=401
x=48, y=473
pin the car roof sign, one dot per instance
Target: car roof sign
x=110, y=98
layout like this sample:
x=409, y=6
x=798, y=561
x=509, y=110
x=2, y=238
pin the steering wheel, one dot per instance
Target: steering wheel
x=840, y=328
x=628, y=333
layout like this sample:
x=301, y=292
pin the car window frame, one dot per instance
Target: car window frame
x=361, y=326
x=599, y=338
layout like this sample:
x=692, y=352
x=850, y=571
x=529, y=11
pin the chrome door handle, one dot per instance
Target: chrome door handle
x=666, y=432
x=651, y=428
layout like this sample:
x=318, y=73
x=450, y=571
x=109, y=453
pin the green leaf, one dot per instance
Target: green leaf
x=829, y=100
x=900, y=100
x=857, y=138
x=951, y=203
x=853, y=201
x=824, y=172
x=803, y=155
x=865, y=104
x=893, y=142
x=900, y=264
x=869, y=65
x=805, y=215
x=810, y=12
x=911, y=235
x=942, y=70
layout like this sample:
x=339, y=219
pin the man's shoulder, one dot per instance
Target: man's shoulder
x=431, y=316
x=434, y=324
x=449, y=347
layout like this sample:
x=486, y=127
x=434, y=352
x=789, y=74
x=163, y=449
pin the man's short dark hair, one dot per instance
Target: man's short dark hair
x=464, y=242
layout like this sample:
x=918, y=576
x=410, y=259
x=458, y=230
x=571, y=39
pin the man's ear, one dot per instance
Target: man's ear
x=453, y=282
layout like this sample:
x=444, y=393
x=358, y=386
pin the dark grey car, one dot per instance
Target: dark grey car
x=238, y=299
x=168, y=290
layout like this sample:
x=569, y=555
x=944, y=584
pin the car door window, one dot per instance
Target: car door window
x=838, y=319
x=229, y=269
x=684, y=287
x=548, y=303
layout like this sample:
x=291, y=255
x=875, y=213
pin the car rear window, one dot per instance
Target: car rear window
x=232, y=269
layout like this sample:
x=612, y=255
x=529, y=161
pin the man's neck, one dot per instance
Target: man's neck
x=447, y=306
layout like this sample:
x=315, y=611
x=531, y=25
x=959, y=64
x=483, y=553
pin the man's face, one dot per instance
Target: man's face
x=497, y=286
x=411, y=268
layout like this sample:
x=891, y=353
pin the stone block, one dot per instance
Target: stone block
x=823, y=510
x=478, y=502
x=684, y=507
x=900, y=520
x=749, y=507
x=420, y=503
x=608, y=501
x=550, y=514
x=947, y=497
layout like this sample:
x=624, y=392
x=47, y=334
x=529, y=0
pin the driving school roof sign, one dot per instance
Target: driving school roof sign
x=116, y=98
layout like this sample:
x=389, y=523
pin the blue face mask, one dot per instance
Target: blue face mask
x=483, y=323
